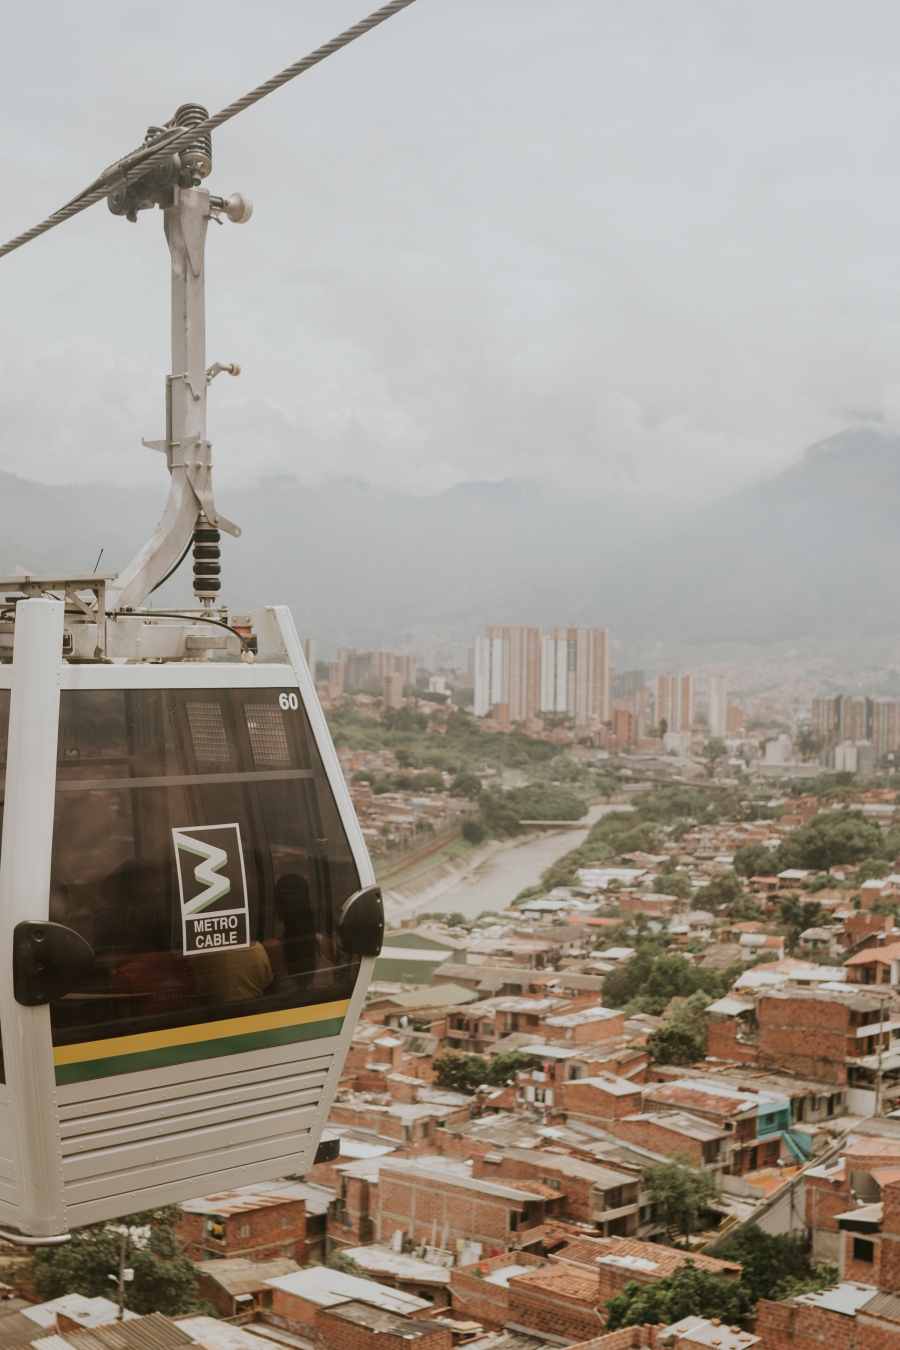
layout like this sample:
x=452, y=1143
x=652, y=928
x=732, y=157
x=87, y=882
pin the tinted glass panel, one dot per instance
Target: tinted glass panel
x=198, y=849
x=4, y=741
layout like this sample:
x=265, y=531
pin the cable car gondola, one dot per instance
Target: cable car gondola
x=186, y=900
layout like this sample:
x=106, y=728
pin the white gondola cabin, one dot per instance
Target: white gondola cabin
x=178, y=854
x=188, y=913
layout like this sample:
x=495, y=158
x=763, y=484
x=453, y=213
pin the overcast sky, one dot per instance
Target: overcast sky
x=643, y=247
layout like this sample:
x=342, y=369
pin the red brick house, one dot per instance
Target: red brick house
x=360, y=1326
x=236, y=1285
x=434, y=1203
x=254, y=1224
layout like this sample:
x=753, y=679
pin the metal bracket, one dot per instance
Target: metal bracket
x=19, y=1240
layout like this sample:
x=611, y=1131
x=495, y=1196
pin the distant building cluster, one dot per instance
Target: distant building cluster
x=522, y=675
x=876, y=720
x=385, y=674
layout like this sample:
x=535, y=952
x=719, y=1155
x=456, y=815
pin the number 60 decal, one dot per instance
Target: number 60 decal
x=286, y=701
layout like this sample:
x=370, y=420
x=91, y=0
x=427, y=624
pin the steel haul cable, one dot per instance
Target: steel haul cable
x=136, y=164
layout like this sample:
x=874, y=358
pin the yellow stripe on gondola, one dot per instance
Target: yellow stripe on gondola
x=200, y=1031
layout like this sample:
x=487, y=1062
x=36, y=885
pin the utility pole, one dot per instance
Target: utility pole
x=124, y=1276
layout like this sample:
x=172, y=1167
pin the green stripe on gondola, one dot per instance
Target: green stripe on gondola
x=184, y=1054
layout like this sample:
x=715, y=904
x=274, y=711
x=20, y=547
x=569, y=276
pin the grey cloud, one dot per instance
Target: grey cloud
x=625, y=250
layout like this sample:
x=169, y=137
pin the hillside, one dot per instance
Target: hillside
x=810, y=554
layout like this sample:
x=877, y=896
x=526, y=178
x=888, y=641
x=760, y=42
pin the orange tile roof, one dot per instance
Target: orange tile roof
x=535, y=1187
x=883, y=954
x=565, y=1281
x=872, y=1146
x=589, y=1252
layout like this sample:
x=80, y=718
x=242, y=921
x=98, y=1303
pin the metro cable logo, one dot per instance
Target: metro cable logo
x=213, y=890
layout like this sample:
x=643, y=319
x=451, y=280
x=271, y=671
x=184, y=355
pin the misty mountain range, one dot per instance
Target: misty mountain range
x=809, y=556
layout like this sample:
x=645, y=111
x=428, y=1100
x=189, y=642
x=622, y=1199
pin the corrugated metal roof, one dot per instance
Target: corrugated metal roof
x=17, y=1329
x=238, y=1275
x=846, y=1298
x=883, y=1305
x=319, y=1284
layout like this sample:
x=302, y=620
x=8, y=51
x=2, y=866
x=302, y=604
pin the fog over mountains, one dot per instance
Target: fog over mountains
x=808, y=557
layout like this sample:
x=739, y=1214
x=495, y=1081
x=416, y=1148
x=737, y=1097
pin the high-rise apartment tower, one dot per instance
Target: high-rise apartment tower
x=718, y=706
x=575, y=674
x=675, y=701
x=508, y=672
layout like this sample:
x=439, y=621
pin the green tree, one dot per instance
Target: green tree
x=714, y=749
x=767, y=1259
x=724, y=889
x=474, y=832
x=682, y=1040
x=674, y=883
x=465, y=785
x=339, y=1260
x=164, y=1280
x=680, y=1191
x=796, y=916
x=460, y=1072
x=807, y=743
x=503, y=1067
x=873, y=869
x=690, y=1290
x=465, y=1073
x=830, y=838
x=754, y=860
x=625, y=984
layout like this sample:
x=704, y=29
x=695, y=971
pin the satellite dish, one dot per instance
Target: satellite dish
x=186, y=899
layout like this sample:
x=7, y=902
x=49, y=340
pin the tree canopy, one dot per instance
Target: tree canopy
x=690, y=1290
x=769, y=1260
x=682, y=1040
x=652, y=978
x=465, y=1072
x=680, y=1193
x=164, y=1280
x=830, y=838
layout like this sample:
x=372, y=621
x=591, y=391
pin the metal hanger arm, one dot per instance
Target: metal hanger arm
x=132, y=166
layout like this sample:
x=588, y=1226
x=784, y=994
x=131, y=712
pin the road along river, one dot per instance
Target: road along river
x=493, y=877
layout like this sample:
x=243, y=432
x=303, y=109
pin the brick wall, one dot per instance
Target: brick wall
x=585, y=1033
x=422, y=1206
x=555, y=1314
x=222, y=1301
x=473, y=1297
x=337, y=1333
x=860, y=1271
x=582, y=1097
x=351, y=1217
x=722, y=1043
x=798, y=1326
x=189, y=1229
x=890, y=1237
x=261, y=1234
x=648, y=1134
x=575, y=1192
x=806, y=1036
x=293, y=1313
x=626, y=1338
x=826, y=1197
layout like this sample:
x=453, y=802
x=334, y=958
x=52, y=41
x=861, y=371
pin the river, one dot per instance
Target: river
x=499, y=877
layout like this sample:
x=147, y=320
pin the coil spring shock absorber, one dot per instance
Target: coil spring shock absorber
x=196, y=158
x=207, y=567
